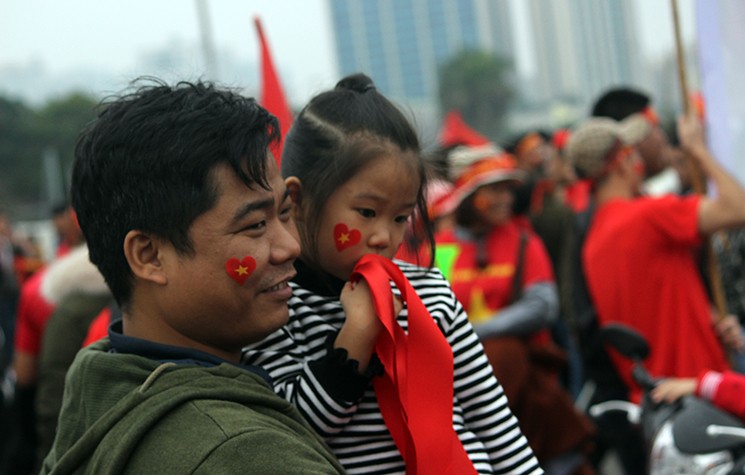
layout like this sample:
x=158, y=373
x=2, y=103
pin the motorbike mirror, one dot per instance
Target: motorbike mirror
x=691, y=423
x=625, y=340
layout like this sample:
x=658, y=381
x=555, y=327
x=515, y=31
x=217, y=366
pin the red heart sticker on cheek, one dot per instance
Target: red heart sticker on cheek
x=344, y=237
x=241, y=270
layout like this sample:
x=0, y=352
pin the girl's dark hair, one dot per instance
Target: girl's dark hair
x=337, y=134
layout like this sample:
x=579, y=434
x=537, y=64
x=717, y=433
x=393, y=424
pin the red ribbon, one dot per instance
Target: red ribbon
x=415, y=393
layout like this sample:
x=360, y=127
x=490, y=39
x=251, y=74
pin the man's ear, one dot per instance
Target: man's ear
x=295, y=188
x=143, y=253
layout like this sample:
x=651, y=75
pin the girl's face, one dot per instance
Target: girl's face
x=368, y=214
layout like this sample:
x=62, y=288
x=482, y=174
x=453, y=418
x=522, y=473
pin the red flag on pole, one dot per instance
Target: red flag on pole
x=272, y=96
x=456, y=132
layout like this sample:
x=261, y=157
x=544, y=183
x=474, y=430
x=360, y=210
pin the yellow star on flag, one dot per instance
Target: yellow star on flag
x=344, y=238
x=240, y=270
x=478, y=310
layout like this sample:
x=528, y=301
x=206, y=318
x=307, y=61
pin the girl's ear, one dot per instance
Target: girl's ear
x=295, y=188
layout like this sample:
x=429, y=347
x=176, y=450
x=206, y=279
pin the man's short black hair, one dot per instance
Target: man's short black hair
x=146, y=164
x=619, y=103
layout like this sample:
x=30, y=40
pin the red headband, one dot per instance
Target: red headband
x=651, y=116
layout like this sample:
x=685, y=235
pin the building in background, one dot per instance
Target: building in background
x=575, y=49
x=582, y=46
x=402, y=43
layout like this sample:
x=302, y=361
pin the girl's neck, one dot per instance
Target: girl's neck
x=316, y=280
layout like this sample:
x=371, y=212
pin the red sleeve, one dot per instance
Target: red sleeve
x=99, y=327
x=725, y=390
x=676, y=218
x=31, y=316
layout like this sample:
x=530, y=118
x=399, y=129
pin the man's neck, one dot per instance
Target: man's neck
x=139, y=321
x=613, y=188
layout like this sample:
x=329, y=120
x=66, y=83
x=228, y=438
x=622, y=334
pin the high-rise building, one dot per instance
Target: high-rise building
x=581, y=47
x=401, y=44
x=574, y=48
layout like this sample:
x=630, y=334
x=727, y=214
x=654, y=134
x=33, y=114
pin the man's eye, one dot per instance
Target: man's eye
x=256, y=226
x=366, y=213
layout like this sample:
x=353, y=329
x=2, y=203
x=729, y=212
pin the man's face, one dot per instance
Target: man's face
x=233, y=290
x=653, y=150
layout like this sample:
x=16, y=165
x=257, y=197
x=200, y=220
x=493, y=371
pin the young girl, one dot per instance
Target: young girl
x=353, y=169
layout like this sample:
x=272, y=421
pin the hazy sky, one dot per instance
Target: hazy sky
x=68, y=35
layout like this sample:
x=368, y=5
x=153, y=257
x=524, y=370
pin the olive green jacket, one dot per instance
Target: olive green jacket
x=124, y=413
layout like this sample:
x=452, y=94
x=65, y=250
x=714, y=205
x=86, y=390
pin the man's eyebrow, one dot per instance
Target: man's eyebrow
x=257, y=205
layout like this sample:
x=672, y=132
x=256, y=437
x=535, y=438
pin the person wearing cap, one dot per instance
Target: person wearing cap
x=621, y=103
x=539, y=204
x=501, y=273
x=638, y=256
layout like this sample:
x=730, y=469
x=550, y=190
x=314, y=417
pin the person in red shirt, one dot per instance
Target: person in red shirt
x=501, y=273
x=638, y=257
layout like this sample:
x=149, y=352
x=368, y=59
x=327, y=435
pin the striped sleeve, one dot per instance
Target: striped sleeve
x=297, y=359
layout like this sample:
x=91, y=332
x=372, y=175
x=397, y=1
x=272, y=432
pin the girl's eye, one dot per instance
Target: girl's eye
x=402, y=219
x=366, y=213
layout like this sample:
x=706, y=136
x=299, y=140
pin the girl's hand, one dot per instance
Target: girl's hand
x=357, y=301
x=361, y=326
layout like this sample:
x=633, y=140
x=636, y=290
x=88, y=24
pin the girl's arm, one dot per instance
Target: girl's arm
x=307, y=370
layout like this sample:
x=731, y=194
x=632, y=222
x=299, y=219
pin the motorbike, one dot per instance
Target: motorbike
x=689, y=436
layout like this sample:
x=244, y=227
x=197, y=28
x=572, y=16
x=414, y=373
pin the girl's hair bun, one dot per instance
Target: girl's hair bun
x=356, y=82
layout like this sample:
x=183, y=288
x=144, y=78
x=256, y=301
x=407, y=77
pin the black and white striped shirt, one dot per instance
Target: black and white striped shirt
x=341, y=405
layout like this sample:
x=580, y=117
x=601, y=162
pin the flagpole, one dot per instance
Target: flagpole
x=208, y=45
x=697, y=179
x=681, y=58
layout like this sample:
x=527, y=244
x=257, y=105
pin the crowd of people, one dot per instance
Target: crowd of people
x=361, y=303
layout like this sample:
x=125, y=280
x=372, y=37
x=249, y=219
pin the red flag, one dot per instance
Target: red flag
x=456, y=132
x=272, y=95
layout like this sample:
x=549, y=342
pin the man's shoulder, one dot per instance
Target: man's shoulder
x=219, y=434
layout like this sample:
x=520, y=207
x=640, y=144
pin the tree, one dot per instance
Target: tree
x=477, y=84
x=24, y=135
x=60, y=121
x=19, y=149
